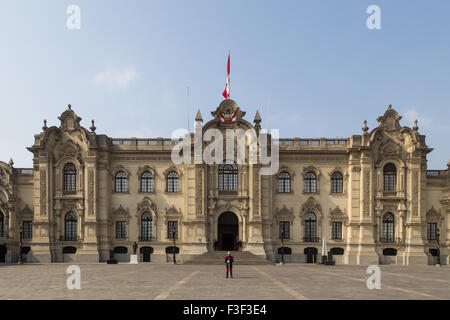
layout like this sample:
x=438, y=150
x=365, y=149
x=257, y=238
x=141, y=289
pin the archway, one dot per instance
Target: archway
x=227, y=231
x=311, y=254
x=146, y=252
x=3, y=251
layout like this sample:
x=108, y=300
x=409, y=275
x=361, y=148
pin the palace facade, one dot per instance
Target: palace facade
x=369, y=196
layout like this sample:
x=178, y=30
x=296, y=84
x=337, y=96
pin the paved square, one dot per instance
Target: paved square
x=157, y=281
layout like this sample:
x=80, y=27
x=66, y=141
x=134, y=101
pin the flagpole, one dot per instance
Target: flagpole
x=188, y=110
x=229, y=76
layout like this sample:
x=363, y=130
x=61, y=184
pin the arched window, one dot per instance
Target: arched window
x=172, y=182
x=336, y=182
x=71, y=226
x=388, y=228
x=147, y=182
x=284, y=182
x=310, y=227
x=228, y=176
x=146, y=226
x=2, y=221
x=389, y=177
x=121, y=182
x=70, y=177
x=310, y=183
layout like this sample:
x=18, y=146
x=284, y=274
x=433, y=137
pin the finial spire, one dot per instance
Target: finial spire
x=365, y=128
x=389, y=106
x=198, y=117
x=416, y=127
x=92, y=126
x=257, y=117
x=45, y=125
x=69, y=106
x=11, y=162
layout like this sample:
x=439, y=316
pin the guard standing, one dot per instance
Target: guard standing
x=229, y=263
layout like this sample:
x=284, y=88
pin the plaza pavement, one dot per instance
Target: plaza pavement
x=160, y=281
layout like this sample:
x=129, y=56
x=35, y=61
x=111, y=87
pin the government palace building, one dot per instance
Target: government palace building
x=90, y=198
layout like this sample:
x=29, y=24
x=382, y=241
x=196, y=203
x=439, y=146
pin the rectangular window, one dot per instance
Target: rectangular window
x=285, y=229
x=121, y=229
x=336, y=230
x=432, y=231
x=172, y=229
x=27, y=229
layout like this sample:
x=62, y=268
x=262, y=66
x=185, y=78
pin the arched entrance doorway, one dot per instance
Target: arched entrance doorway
x=311, y=254
x=227, y=231
x=3, y=251
x=146, y=252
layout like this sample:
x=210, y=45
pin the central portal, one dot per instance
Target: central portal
x=227, y=231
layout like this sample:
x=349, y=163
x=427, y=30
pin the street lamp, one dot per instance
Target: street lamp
x=438, y=251
x=20, y=245
x=282, y=245
x=174, y=237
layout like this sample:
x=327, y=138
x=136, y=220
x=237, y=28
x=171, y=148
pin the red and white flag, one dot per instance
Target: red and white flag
x=226, y=92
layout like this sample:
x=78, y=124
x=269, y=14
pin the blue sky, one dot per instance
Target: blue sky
x=315, y=63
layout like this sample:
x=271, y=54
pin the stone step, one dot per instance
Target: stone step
x=217, y=258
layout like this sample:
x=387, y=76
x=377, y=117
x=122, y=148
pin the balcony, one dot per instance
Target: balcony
x=311, y=239
x=390, y=240
x=145, y=239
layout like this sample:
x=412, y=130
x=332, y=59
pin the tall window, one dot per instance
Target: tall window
x=172, y=229
x=121, y=229
x=147, y=182
x=310, y=183
x=284, y=182
x=228, y=176
x=2, y=221
x=432, y=231
x=388, y=228
x=70, y=177
x=285, y=229
x=121, y=182
x=336, y=182
x=336, y=230
x=310, y=227
x=27, y=229
x=71, y=226
x=389, y=177
x=172, y=182
x=146, y=226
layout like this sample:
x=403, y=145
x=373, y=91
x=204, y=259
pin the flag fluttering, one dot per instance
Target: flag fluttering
x=226, y=92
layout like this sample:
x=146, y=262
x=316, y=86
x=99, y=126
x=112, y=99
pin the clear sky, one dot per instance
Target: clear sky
x=312, y=67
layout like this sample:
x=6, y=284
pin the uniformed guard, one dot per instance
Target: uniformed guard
x=229, y=263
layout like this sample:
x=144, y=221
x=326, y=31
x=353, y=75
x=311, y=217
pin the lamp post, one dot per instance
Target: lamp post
x=174, y=238
x=282, y=246
x=20, y=245
x=438, y=251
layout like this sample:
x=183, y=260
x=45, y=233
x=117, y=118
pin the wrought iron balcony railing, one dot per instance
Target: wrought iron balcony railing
x=311, y=239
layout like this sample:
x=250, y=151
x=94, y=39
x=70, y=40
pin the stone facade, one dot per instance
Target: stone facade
x=35, y=202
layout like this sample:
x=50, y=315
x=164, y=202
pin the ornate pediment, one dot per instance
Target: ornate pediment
x=26, y=212
x=337, y=214
x=69, y=120
x=311, y=205
x=434, y=216
x=146, y=205
x=285, y=214
x=173, y=214
x=121, y=212
x=390, y=120
x=228, y=112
